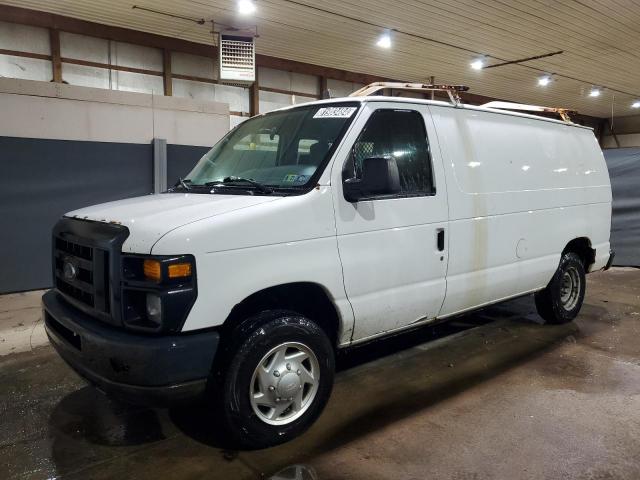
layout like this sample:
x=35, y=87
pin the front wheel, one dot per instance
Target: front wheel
x=277, y=379
x=562, y=299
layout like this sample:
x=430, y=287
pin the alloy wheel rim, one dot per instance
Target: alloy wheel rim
x=569, y=288
x=284, y=383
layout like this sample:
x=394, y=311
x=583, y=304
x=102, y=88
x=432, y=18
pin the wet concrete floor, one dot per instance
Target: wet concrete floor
x=493, y=395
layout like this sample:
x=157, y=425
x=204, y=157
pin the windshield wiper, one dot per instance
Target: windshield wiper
x=235, y=180
x=180, y=183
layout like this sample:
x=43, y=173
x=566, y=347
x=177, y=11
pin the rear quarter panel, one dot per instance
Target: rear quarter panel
x=519, y=190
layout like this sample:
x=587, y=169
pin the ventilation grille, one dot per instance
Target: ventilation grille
x=237, y=59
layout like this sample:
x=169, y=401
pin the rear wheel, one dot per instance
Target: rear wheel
x=276, y=380
x=562, y=298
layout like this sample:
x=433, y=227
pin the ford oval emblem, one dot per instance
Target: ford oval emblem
x=69, y=270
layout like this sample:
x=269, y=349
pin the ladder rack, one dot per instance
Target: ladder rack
x=452, y=90
x=562, y=112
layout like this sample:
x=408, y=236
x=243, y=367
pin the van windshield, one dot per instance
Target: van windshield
x=279, y=151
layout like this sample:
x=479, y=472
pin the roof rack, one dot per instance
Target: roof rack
x=452, y=90
x=562, y=112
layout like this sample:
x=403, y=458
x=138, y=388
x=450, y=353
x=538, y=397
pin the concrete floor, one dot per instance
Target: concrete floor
x=494, y=395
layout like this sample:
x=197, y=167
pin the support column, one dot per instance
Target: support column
x=324, y=89
x=159, y=165
x=56, y=61
x=166, y=72
x=254, y=97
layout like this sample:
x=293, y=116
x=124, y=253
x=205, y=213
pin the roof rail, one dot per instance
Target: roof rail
x=562, y=112
x=452, y=90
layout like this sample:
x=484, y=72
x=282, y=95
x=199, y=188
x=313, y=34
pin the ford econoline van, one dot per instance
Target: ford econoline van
x=316, y=227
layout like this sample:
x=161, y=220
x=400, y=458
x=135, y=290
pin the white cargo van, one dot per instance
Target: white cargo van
x=316, y=227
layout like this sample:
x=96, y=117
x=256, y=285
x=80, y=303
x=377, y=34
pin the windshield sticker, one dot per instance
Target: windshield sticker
x=335, y=112
x=292, y=178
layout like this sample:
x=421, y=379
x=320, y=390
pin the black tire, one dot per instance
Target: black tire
x=562, y=298
x=245, y=348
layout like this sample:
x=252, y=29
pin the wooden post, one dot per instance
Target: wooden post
x=56, y=62
x=254, y=97
x=166, y=73
x=324, y=89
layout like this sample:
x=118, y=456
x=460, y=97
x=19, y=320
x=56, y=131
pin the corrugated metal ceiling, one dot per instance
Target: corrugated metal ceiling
x=600, y=39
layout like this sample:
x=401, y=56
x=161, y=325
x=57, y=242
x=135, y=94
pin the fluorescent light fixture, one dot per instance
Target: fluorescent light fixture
x=595, y=92
x=384, y=41
x=477, y=64
x=246, y=7
x=544, y=80
x=636, y=104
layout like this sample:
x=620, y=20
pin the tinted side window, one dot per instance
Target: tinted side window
x=400, y=134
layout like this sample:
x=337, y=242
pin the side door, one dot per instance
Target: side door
x=393, y=248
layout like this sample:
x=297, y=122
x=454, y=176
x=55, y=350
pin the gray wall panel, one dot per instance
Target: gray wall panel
x=43, y=179
x=181, y=159
x=624, y=170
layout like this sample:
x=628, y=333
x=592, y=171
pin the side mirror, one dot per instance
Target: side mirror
x=379, y=177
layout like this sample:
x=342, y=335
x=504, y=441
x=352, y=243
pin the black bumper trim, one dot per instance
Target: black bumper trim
x=153, y=370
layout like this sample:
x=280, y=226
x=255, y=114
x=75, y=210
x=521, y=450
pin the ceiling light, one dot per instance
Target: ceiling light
x=478, y=63
x=246, y=7
x=595, y=92
x=636, y=104
x=384, y=41
x=544, y=80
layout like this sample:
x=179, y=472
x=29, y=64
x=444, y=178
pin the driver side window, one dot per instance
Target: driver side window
x=399, y=134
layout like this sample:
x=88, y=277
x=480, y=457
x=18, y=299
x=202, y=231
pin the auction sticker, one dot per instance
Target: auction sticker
x=335, y=112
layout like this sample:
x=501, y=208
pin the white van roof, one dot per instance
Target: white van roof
x=419, y=101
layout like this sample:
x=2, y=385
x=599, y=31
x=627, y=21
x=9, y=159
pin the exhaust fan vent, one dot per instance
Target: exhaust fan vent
x=237, y=59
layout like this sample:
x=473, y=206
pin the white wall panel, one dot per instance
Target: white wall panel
x=136, y=56
x=268, y=77
x=35, y=110
x=236, y=97
x=236, y=120
x=298, y=99
x=195, y=90
x=137, y=82
x=85, y=76
x=24, y=38
x=305, y=83
x=271, y=101
x=25, y=68
x=194, y=65
x=82, y=47
x=338, y=88
x=189, y=128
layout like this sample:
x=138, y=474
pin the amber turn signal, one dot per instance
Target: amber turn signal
x=152, y=270
x=179, y=270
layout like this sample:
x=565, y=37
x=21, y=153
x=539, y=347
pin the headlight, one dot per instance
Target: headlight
x=158, y=291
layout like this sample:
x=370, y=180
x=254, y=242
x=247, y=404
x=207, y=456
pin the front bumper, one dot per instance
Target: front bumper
x=150, y=370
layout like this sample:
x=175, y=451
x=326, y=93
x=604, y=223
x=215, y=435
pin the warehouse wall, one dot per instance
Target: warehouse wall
x=624, y=170
x=64, y=147
x=627, y=132
x=113, y=65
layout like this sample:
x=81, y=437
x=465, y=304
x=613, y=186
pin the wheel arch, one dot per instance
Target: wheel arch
x=582, y=247
x=306, y=298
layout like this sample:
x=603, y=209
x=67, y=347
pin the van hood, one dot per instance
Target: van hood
x=150, y=217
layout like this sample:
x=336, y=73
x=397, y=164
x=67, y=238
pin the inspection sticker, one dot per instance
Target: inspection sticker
x=335, y=112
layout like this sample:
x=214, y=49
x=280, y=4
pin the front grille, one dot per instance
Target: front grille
x=91, y=252
x=89, y=282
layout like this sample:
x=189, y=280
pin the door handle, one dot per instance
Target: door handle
x=440, y=239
